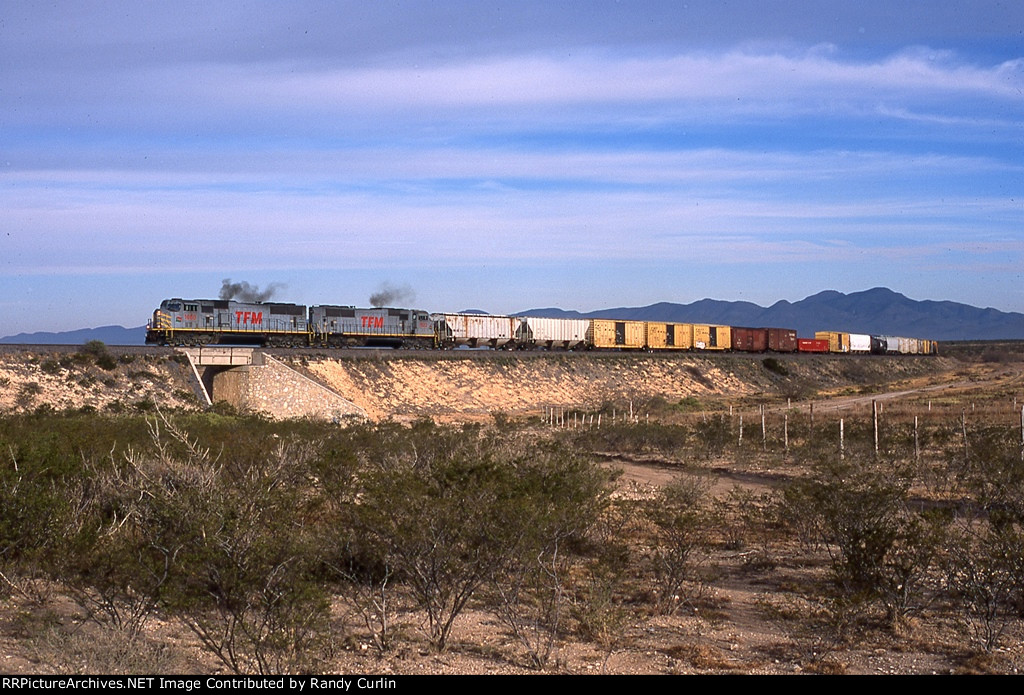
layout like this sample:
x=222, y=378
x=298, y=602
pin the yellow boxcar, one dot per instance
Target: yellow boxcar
x=837, y=342
x=708, y=337
x=669, y=336
x=606, y=333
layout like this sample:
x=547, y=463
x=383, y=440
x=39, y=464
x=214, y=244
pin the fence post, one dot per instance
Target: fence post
x=917, y=448
x=764, y=430
x=963, y=428
x=874, y=420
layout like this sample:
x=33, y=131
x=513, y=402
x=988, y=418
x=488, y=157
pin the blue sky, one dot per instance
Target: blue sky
x=506, y=156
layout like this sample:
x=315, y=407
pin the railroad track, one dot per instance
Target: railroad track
x=359, y=353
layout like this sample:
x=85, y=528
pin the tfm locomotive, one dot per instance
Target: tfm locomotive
x=219, y=321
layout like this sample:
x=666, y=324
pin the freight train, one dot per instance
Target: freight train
x=220, y=321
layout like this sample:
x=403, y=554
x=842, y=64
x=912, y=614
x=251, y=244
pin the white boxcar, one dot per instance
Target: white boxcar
x=475, y=330
x=860, y=342
x=908, y=346
x=564, y=334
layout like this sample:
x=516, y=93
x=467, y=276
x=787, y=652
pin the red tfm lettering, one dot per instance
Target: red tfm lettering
x=248, y=317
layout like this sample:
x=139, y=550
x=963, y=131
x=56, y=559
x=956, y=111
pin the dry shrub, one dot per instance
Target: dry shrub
x=680, y=514
x=81, y=652
x=883, y=551
x=703, y=656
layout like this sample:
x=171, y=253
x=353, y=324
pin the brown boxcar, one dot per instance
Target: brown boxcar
x=781, y=339
x=749, y=339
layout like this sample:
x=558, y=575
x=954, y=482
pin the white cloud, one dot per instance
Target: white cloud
x=299, y=98
x=170, y=228
x=407, y=171
x=598, y=78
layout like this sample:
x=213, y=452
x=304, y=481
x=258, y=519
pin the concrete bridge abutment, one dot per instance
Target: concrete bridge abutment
x=252, y=381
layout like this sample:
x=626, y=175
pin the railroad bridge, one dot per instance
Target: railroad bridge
x=253, y=381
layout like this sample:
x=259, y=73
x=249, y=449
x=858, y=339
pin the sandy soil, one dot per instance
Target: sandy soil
x=479, y=387
x=457, y=389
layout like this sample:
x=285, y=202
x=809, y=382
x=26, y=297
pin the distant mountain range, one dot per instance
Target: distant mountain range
x=111, y=335
x=878, y=311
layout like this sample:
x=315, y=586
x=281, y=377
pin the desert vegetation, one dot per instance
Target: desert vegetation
x=268, y=547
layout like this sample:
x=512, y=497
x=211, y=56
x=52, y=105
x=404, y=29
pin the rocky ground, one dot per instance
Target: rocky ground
x=111, y=381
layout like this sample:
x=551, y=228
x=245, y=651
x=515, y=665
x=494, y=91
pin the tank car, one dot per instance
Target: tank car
x=885, y=345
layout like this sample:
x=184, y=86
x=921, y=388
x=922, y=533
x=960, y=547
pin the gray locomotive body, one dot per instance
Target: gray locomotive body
x=220, y=321
x=349, y=326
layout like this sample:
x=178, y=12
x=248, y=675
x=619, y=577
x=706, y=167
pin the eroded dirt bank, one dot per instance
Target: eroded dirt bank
x=457, y=387
x=103, y=379
x=466, y=386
